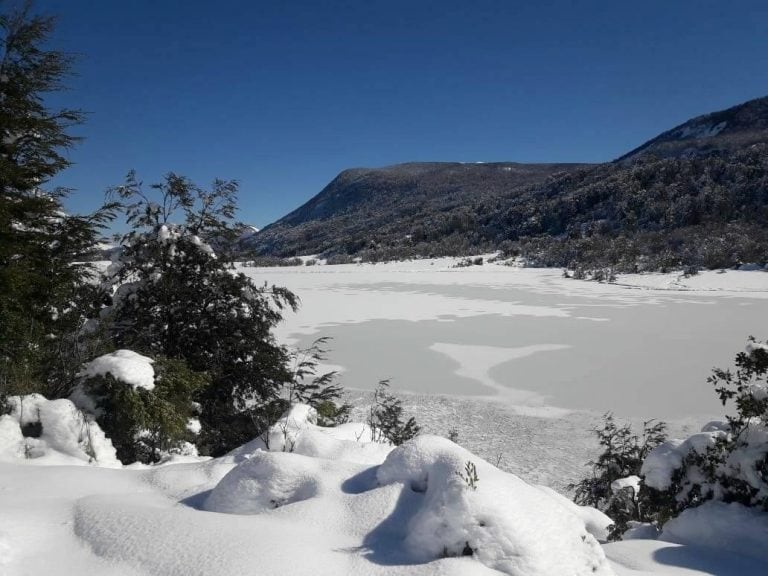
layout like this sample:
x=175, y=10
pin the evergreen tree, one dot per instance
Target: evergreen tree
x=172, y=296
x=39, y=243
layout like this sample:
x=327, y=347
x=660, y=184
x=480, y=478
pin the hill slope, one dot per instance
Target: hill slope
x=695, y=195
x=434, y=203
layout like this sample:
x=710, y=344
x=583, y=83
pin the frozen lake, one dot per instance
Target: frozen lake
x=528, y=337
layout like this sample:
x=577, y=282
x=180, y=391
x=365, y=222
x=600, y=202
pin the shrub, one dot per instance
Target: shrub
x=145, y=424
x=727, y=461
x=614, y=484
x=386, y=418
x=318, y=391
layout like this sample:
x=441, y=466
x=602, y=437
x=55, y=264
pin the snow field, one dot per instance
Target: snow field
x=336, y=504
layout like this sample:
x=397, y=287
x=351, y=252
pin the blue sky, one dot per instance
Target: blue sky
x=283, y=95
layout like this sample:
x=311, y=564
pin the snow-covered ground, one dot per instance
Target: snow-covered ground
x=520, y=362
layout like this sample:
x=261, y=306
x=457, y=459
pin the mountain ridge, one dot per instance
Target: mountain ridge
x=708, y=173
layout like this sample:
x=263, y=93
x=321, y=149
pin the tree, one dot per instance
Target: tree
x=171, y=295
x=39, y=244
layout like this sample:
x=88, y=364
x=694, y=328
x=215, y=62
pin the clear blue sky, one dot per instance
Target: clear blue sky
x=283, y=95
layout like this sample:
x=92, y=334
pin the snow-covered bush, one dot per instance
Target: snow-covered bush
x=726, y=461
x=53, y=431
x=614, y=486
x=144, y=406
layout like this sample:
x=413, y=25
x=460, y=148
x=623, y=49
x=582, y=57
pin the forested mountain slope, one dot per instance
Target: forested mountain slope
x=430, y=207
x=696, y=195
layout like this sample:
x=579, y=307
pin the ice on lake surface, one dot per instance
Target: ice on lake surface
x=528, y=336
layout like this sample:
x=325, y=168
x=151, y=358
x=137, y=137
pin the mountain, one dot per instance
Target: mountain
x=411, y=203
x=719, y=132
x=696, y=196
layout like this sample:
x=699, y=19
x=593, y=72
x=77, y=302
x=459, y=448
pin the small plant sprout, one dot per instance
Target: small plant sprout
x=469, y=475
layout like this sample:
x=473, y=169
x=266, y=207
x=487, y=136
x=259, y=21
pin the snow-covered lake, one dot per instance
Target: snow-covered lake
x=528, y=338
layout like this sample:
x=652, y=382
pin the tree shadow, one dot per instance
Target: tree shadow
x=708, y=561
x=361, y=482
x=196, y=501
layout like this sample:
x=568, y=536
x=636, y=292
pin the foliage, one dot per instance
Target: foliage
x=146, y=424
x=386, y=418
x=469, y=476
x=41, y=283
x=728, y=461
x=330, y=413
x=320, y=392
x=623, y=455
x=169, y=295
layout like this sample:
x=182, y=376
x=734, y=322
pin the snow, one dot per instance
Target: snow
x=328, y=501
x=433, y=329
x=505, y=523
x=628, y=482
x=167, y=234
x=346, y=508
x=67, y=435
x=125, y=366
x=194, y=426
x=728, y=527
x=338, y=504
x=664, y=460
x=654, y=557
x=595, y=521
x=700, y=130
x=743, y=465
x=752, y=282
x=269, y=480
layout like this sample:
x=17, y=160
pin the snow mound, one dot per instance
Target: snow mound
x=327, y=443
x=123, y=365
x=57, y=433
x=266, y=481
x=595, y=521
x=297, y=432
x=719, y=526
x=505, y=523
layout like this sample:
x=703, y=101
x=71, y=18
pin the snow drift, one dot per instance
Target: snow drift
x=504, y=522
x=56, y=433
